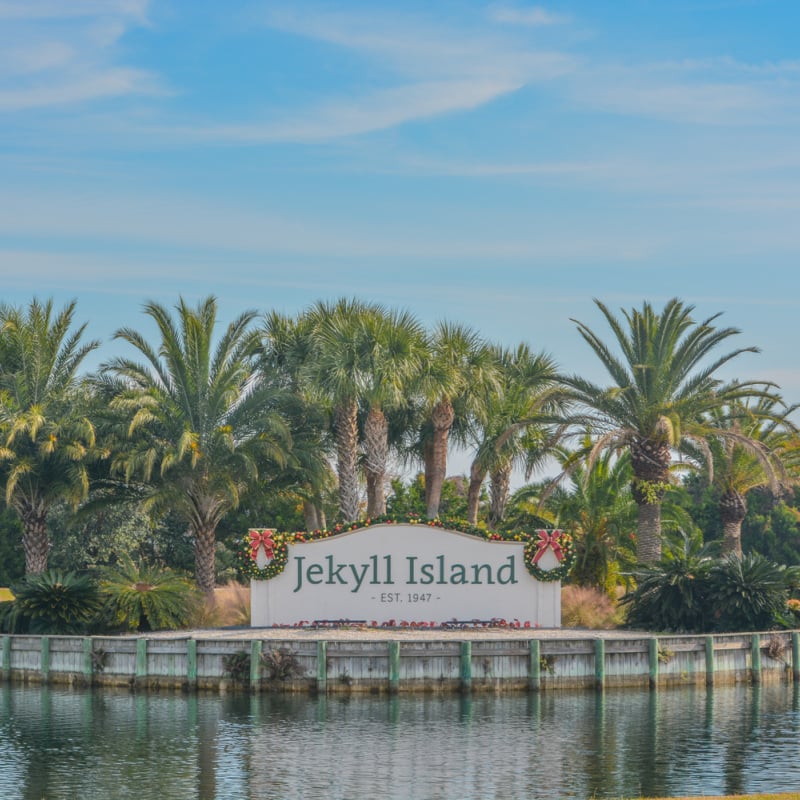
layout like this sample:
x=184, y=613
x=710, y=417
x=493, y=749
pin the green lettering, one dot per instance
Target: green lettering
x=299, y=573
x=335, y=573
x=314, y=570
x=507, y=570
x=458, y=573
x=358, y=576
x=476, y=573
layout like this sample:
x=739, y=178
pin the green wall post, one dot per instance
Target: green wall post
x=44, y=663
x=88, y=669
x=755, y=658
x=795, y=657
x=710, y=666
x=652, y=649
x=600, y=664
x=394, y=667
x=6, y=658
x=535, y=666
x=191, y=663
x=256, y=647
x=322, y=667
x=141, y=661
x=466, y=666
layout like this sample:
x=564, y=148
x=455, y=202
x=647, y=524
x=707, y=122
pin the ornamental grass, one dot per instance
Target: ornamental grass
x=587, y=607
x=229, y=606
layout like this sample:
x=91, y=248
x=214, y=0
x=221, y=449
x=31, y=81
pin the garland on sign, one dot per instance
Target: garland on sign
x=562, y=547
x=275, y=545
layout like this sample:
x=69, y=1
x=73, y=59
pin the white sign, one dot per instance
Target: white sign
x=404, y=573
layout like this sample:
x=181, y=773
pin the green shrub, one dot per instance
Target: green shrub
x=747, y=593
x=672, y=595
x=282, y=664
x=237, y=666
x=52, y=602
x=141, y=597
x=688, y=591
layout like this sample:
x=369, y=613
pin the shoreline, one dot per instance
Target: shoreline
x=357, y=659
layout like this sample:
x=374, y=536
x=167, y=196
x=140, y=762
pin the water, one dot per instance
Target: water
x=62, y=743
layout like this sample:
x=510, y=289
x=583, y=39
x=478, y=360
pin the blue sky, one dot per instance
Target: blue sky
x=494, y=163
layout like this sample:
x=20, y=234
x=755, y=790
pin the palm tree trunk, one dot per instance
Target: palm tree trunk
x=35, y=540
x=442, y=419
x=376, y=443
x=648, y=533
x=650, y=460
x=346, y=422
x=476, y=476
x=732, y=510
x=313, y=516
x=427, y=448
x=205, y=558
x=500, y=480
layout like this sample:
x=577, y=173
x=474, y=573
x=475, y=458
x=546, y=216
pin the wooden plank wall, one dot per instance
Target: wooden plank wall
x=383, y=665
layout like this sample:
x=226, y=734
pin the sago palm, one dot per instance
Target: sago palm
x=145, y=597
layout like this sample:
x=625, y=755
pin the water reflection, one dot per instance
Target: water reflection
x=57, y=743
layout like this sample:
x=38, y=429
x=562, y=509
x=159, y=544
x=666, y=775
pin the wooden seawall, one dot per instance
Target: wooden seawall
x=391, y=665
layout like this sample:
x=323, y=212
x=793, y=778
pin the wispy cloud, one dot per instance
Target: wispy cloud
x=59, y=9
x=371, y=112
x=714, y=91
x=192, y=226
x=420, y=48
x=56, y=54
x=525, y=15
x=433, y=70
x=81, y=88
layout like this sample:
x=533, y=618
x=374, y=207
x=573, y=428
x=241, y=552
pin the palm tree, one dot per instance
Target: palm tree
x=597, y=508
x=752, y=445
x=659, y=395
x=200, y=426
x=509, y=426
x=335, y=369
x=394, y=350
x=286, y=351
x=48, y=438
x=459, y=368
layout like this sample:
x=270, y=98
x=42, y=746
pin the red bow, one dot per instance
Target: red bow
x=259, y=539
x=548, y=540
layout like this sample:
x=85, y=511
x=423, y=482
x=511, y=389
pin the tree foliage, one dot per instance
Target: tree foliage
x=169, y=455
x=197, y=428
x=663, y=385
x=47, y=438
